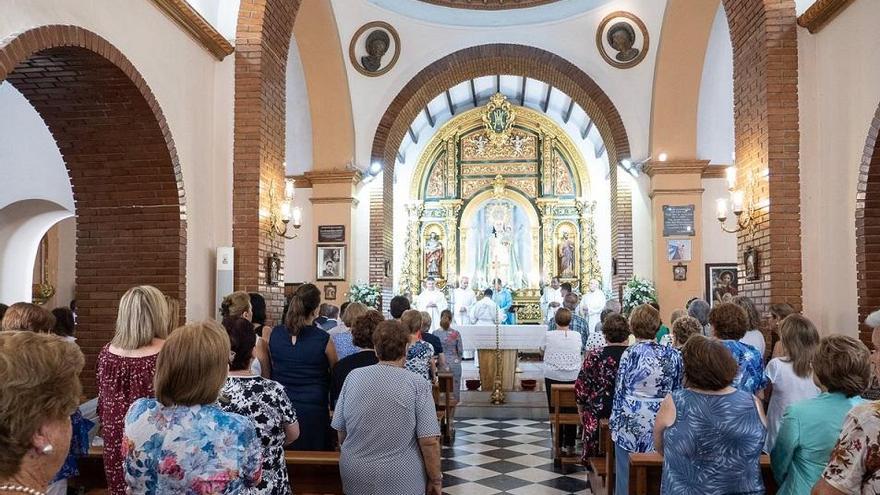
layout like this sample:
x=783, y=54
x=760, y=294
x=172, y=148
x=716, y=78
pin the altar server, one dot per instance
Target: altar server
x=551, y=299
x=432, y=301
x=463, y=299
x=485, y=311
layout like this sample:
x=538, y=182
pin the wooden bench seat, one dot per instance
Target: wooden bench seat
x=312, y=473
x=646, y=471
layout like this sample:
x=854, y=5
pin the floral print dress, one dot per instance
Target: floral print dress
x=594, y=390
x=196, y=450
x=855, y=461
x=750, y=377
x=648, y=372
x=266, y=404
x=418, y=359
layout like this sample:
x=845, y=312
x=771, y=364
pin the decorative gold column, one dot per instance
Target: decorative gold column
x=545, y=207
x=677, y=183
x=590, y=269
x=409, y=272
x=451, y=209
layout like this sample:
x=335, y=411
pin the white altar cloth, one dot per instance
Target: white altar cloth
x=512, y=336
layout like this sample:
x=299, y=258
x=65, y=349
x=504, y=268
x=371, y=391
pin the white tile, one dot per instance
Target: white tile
x=536, y=490
x=478, y=421
x=527, y=448
x=474, y=459
x=474, y=438
x=524, y=438
x=534, y=475
x=477, y=429
x=525, y=429
x=476, y=448
x=472, y=473
x=470, y=489
x=530, y=460
x=522, y=422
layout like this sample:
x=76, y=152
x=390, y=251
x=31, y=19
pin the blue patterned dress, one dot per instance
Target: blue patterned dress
x=648, y=372
x=344, y=343
x=750, y=377
x=193, y=450
x=418, y=359
x=714, y=445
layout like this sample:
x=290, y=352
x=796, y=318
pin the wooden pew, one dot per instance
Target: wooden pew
x=312, y=473
x=562, y=400
x=443, y=395
x=646, y=470
x=602, y=466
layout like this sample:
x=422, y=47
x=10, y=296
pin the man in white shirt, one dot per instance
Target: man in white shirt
x=463, y=299
x=433, y=301
x=593, y=304
x=486, y=311
x=551, y=299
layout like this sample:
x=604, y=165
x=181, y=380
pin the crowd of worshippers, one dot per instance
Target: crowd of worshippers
x=210, y=407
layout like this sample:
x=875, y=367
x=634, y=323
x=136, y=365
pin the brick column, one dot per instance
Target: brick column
x=382, y=233
x=621, y=228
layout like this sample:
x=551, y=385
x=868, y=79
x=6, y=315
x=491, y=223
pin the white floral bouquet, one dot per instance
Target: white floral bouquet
x=638, y=291
x=365, y=294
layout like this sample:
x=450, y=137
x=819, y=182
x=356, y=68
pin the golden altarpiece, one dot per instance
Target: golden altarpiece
x=500, y=192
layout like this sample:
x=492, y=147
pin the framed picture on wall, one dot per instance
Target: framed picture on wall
x=678, y=250
x=750, y=262
x=721, y=282
x=330, y=262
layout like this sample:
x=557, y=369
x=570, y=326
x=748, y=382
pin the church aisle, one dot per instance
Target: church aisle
x=506, y=456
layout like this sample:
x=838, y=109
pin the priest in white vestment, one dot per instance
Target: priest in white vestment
x=551, y=299
x=593, y=303
x=486, y=311
x=463, y=299
x=433, y=301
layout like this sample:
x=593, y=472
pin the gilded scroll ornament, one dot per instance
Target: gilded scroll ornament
x=479, y=146
x=498, y=120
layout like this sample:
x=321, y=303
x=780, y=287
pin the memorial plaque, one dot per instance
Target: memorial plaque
x=331, y=233
x=678, y=220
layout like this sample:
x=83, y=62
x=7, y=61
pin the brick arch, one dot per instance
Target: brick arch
x=482, y=60
x=868, y=228
x=123, y=166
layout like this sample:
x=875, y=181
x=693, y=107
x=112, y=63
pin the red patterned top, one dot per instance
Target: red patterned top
x=121, y=381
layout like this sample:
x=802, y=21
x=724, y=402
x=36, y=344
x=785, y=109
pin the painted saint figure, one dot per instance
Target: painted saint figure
x=433, y=255
x=565, y=255
x=377, y=45
x=622, y=37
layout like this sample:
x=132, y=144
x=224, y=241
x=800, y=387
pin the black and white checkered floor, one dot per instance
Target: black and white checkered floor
x=506, y=456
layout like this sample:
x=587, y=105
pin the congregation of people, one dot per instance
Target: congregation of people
x=210, y=407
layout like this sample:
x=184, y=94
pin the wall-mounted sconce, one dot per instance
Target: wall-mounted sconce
x=283, y=215
x=742, y=202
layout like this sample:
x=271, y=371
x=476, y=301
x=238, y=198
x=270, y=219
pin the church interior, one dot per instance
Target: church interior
x=534, y=247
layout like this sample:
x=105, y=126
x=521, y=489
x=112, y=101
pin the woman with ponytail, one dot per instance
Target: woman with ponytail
x=238, y=305
x=302, y=356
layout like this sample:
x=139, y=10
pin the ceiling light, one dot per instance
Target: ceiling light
x=375, y=168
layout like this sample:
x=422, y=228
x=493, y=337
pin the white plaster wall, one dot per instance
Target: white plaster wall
x=839, y=91
x=360, y=235
x=298, y=124
x=718, y=245
x=299, y=253
x=715, y=112
x=185, y=78
x=642, y=224
x=572, y=38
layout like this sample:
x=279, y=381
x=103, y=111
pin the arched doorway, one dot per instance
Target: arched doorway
x=474, y=62
x=868, y=228
x=123, y=167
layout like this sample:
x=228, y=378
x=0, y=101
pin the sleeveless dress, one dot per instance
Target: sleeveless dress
x=714, y=445
x=304, y=371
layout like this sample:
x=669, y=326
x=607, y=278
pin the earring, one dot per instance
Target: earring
x=46, y=450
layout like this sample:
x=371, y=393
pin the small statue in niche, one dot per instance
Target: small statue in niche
x=565, y=255
x=433, y=255
x=377, y=45
x=622, y=37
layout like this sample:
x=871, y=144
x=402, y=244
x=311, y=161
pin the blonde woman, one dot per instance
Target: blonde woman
x=238, y=305
x=341, y=334
x=181, y=441
x=791, y=376
x=173, y=313
x=125, y=370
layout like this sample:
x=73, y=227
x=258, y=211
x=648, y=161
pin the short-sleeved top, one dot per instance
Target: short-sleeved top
x=191, y=450
x=344, y=344
x=788, y=388
x=755, y=339
x=434, y=341
x=750, y=376
x=714, y=445
x=562, y=355
x=452, y=346
x=418, y=359
x=854, y=466
x=265, y=403
x=579, y=325
x=647, y=373
x=383, y=411
x=345, y=366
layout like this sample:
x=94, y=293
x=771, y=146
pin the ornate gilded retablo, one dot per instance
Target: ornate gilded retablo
x=498, y=119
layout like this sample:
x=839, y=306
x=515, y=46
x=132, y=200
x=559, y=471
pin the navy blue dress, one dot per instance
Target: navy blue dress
x=304, y=371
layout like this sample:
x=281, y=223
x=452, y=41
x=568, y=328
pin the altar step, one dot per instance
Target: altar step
x=523, y=405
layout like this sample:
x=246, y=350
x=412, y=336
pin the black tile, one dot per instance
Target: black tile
x=447, y=453
x=500, y=442
x=501, y=425
x=567, y=484
x=502, y=467
x=450, y=465
x=502, y=453
x=503, y=482
x=449, y=480
x=500, y=433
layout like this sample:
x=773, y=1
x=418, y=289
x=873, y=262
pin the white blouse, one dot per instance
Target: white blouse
x=562, y=355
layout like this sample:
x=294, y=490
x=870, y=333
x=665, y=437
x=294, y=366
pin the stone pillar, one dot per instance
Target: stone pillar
x=333, y=203
x=676, y=183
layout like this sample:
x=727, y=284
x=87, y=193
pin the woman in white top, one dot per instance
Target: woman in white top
x=562, y=363
x=790, y=376
x=754, y=337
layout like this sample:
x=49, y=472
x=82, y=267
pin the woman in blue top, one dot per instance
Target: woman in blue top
x=710, y=434
x=302, y=356
x=729, y=323
x=648, y=372
x=809, y=429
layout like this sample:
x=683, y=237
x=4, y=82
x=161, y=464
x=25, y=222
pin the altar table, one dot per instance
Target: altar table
x=512, y=338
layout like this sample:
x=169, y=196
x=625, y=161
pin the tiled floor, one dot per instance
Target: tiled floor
x=506, y=456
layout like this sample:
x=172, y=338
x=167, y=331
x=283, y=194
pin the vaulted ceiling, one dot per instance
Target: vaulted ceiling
x=489, y=4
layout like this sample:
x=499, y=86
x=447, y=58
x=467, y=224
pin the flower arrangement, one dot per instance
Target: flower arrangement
x=638, y=291
x=366, y=294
